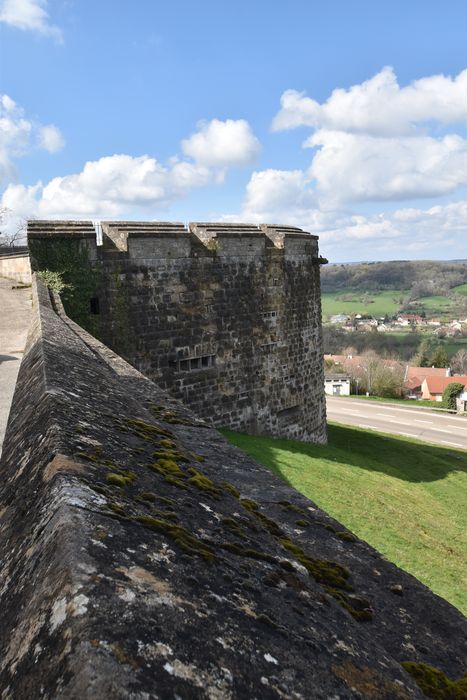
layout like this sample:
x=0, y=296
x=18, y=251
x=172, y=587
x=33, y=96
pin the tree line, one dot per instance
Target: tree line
x=421, y=277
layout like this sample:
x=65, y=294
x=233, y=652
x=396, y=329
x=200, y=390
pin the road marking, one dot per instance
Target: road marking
x=428, y=422
x=455, y=444
x=440, y=430
x=415, y=409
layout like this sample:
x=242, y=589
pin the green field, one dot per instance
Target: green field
x=437, y=306
x=461, y=289
x=374, y=303
x=406, y=498
x=452, y=345
x=379, y=304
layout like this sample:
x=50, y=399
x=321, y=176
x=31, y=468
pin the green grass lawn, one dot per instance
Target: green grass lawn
x=381, y=303
x=407, y=403
x=406, y=498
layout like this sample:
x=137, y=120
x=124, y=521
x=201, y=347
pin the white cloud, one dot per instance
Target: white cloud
x=436, y=232
x=106, y=187
x=29, y=15
x=378, y=141
x=20, y=135
x=51, y=139
x=287, y=197
x=222, y=144
x=379, y=106
x=116, y=185
x=270, y=193
x=357, y=167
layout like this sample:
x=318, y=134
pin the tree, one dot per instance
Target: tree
x=376, y=376
x=14, y=237
x=424, y=353
x=459, y=362
x=450, y=394
x=439, y=357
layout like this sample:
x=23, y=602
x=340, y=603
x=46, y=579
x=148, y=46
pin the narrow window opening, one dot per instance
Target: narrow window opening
x=94, y=305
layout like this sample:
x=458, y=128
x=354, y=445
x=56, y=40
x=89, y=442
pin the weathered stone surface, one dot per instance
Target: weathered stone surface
x=226, y=317
x=143, y=557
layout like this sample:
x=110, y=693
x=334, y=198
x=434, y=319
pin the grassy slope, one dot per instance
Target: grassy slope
x=461, y=289
x=406, y=498
x=382, y=303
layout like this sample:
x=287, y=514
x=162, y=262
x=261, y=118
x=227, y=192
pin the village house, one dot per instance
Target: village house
x=433, y=387
x=337, y=385
x=406, y=320
x=339, y=318
x=414, y=377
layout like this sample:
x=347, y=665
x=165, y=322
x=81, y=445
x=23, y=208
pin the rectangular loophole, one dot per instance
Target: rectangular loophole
x=191, y=364
x=94, y=305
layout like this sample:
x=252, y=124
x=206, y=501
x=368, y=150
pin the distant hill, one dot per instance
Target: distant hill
x=421, y=277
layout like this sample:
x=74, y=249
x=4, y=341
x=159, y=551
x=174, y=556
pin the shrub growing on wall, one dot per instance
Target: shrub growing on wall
x=53, y=280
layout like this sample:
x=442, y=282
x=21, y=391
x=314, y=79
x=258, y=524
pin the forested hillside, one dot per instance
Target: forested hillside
x=422, y=277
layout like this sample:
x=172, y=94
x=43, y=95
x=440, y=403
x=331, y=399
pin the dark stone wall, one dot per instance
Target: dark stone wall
x=225, y=317
x=142, y=557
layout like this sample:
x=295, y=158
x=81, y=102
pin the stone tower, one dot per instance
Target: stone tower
x=226, y=317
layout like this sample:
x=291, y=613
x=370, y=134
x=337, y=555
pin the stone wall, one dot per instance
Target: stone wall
x=15, y=266
x=142, y=557
x=226, y=317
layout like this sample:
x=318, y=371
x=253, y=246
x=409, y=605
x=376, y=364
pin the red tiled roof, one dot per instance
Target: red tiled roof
x=422, y=372
x=436, y=385
x=413, y=382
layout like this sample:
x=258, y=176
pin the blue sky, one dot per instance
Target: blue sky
x=346, y=118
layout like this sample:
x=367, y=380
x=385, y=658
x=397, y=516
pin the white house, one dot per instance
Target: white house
x=337, y=385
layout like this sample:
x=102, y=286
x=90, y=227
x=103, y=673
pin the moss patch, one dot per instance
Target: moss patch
x=186, y=540
x=434, y=684
x=117, y=480
x=147, y=431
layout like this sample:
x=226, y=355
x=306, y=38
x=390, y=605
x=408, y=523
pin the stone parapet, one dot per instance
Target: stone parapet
x=15, y=266
x=143, y=557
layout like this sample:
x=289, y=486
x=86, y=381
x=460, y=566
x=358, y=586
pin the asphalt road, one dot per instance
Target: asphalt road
x=444, y=430
x=15, y=312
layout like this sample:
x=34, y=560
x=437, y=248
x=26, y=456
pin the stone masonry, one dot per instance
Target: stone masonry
x=226, y=317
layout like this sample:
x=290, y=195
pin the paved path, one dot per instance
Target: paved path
x=15, y=313
x=444, y=430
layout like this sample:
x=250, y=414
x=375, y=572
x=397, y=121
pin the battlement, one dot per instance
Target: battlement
x=159, y=239
x=60, y=229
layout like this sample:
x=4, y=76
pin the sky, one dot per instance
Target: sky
x=347, y=118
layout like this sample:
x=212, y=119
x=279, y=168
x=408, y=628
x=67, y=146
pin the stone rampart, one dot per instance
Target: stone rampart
x=143, y=557
x=15, y=265
x=226, y=317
